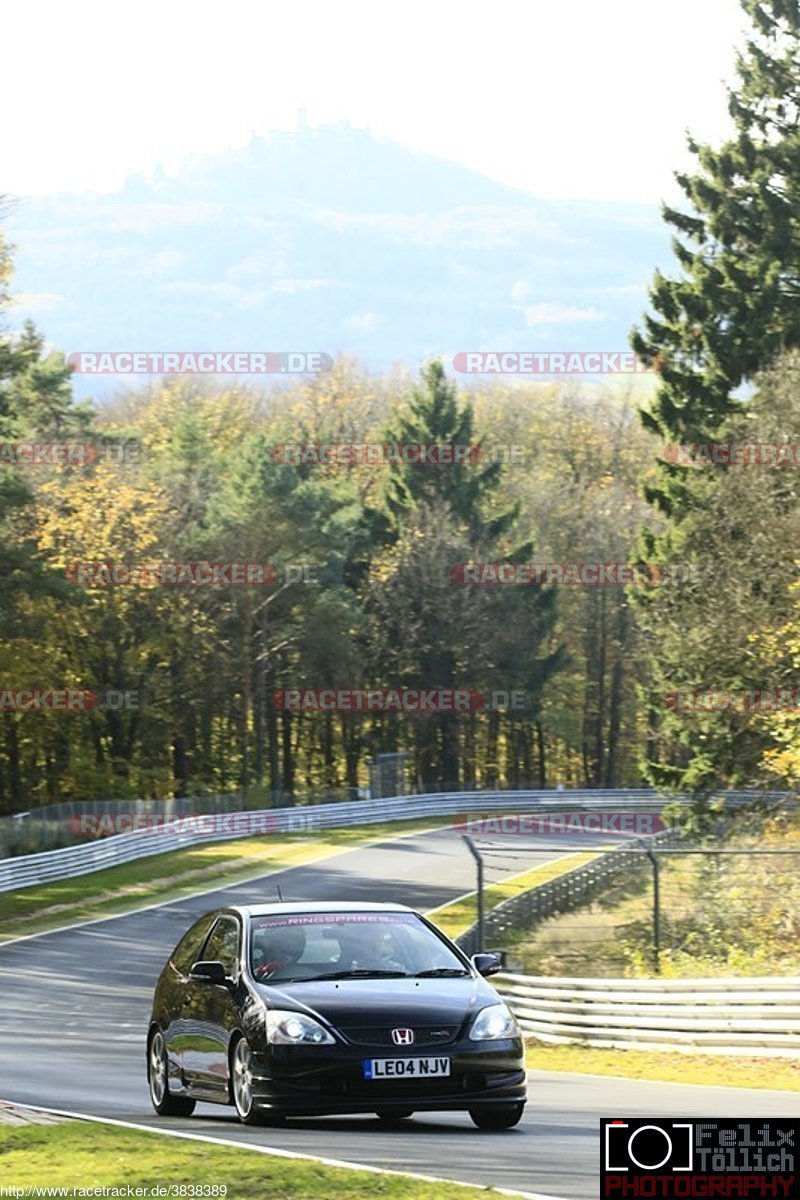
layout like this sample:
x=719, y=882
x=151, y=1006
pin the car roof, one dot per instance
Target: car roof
x=316, y=906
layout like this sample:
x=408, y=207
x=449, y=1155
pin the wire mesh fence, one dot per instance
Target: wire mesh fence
x=729, y=905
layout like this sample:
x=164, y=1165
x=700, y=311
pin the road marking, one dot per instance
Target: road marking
x=273, y=1151
x=507, y=879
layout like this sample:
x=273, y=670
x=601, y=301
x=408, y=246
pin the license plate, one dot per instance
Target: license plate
x=405, y=1068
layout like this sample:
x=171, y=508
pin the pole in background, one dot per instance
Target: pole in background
x=473, y=849
x=651, y=854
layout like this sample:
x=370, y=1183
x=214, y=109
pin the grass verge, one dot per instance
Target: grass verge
x=83, y=1155
x=456, y=918
x=163, y=877
x=667, y=1067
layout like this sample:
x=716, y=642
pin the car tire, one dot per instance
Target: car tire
x=389, y=1116
x=497, y=1116
x=161, y=1098
x=242, y=1088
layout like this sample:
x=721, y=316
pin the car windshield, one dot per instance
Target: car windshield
x=312, y=946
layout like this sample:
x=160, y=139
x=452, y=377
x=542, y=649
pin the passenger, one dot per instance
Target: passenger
x=369, y=947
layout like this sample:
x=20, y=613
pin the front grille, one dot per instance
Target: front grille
x=352, y=1086
x=381, y=1035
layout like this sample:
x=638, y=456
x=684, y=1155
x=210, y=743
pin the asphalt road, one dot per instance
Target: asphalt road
x=74, y=1007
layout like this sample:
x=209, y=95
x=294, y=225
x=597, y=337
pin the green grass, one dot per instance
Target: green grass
x=87, y=1155
x=456, y=918
x=162, y=877
x=669, y=1067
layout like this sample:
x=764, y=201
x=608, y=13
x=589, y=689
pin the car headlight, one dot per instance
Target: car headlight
x=294, y=1029
x=495, y=1021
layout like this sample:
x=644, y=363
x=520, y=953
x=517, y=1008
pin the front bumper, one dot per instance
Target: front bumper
x=315, y=1080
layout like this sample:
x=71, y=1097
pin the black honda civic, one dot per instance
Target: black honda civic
x=306, y=1009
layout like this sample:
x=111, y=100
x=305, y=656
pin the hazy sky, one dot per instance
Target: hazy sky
x=585, y=98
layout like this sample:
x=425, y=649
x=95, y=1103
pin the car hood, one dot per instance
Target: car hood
x=348, y=1002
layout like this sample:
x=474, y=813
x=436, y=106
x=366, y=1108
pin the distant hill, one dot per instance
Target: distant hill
x=330, y=240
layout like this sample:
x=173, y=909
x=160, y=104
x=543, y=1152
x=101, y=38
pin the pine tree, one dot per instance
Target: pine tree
x=40, y=389
x=429, y=634
x=434, y=418
x=735, y=306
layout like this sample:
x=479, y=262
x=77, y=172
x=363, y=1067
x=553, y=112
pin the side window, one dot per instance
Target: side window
x=223, y=945
x=187, y=950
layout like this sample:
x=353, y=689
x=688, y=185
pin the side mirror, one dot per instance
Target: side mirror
x=208, y=972
x=487, y=964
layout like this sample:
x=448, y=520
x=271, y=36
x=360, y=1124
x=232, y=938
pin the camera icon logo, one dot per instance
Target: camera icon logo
x=643, y=1146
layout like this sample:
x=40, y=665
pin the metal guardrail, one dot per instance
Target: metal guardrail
x=72, y=822
x=756, y=1016
x=568, y=891
x=70, y=861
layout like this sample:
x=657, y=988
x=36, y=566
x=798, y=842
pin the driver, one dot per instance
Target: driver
x=277, y=948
